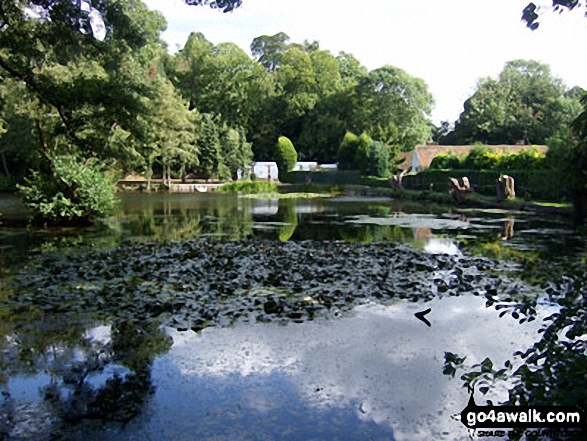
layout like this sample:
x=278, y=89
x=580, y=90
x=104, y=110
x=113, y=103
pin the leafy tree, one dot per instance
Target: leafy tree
x=285, y=154
x=18, y=144
x=394, y=107
x=376, y=162
x=268, y=50
x=296, y=83
x=83, y=93
x=525, y=103
x=236, y=152
x=221, y=80
x=77, y=192
x=190, y=70
x=351, y=71
x=326, y=73
x=347, y=151
x=371, y=158
x=210, y=148
x=170, y=132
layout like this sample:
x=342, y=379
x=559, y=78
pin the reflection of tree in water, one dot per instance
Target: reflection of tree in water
x=121, y=397
x=174, y=221
x=554, y=370
x=369, y=233
x=288, y=216
x=75, y=361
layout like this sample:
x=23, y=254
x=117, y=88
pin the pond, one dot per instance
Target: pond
x=227, y=317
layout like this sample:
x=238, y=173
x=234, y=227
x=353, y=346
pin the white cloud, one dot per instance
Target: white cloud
x=450, y=44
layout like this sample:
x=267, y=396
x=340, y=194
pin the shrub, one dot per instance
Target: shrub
x=362, y=152
x=347, y=152
x=445, y=161
x=286, y=155
x=377, y=161
x=249, y=187
x=477, y=159
x=71, y=192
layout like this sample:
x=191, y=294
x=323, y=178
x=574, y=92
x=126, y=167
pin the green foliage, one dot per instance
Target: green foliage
x=237, y=153
x=540, y=183
x=72, y=192
x=445, y=161
x=362, y=153
x=377, y=160
x=348, y=151
x=249, y=187
x=345, y=177
x=479, y=158
x=268, y=50
x=525, y=103
x=285, y=155
x=393, y=107
x=482, y=157
x=210, y=147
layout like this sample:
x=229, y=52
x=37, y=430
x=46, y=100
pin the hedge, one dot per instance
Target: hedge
x=347, y=177
x=540, y=184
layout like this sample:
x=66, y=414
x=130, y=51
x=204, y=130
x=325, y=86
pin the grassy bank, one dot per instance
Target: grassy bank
x=249, y=187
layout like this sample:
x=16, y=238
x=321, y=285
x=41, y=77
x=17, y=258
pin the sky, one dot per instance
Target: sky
x=451, y=44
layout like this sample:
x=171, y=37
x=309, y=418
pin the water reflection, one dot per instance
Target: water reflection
x=174, y=217
x=375, y=374
x=63, y=382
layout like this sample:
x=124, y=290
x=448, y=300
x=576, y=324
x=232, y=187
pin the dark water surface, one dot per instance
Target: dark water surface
x=101, y=336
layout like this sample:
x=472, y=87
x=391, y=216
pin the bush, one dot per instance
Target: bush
x=477, y=159
x=347, y=152
x=445, y=161
x=482, y=157
x=377, y=161
x=72, y=192
x=286, y=155
x=249, y=187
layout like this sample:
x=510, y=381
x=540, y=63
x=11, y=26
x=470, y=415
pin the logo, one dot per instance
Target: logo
x=559, y=419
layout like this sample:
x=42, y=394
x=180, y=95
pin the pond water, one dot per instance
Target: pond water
x=225, y=317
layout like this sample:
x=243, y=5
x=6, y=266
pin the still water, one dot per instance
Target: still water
x=367, y=372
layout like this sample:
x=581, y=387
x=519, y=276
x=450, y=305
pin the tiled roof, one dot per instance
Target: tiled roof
x=407, y=156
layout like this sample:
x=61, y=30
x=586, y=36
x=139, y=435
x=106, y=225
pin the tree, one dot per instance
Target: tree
x=376, y=162
x=210, y=148
x=83, y=92
x=170, y=133
x=268, y=50
x=394, y=107
x=285, y=155
x=525, y=103
x=236, y=151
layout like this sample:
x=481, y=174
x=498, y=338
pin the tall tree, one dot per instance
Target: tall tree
x=268, y=50
x=394, y=107
x=526, y=103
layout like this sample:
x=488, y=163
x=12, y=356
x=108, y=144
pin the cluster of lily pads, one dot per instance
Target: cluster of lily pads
x=199, y=283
